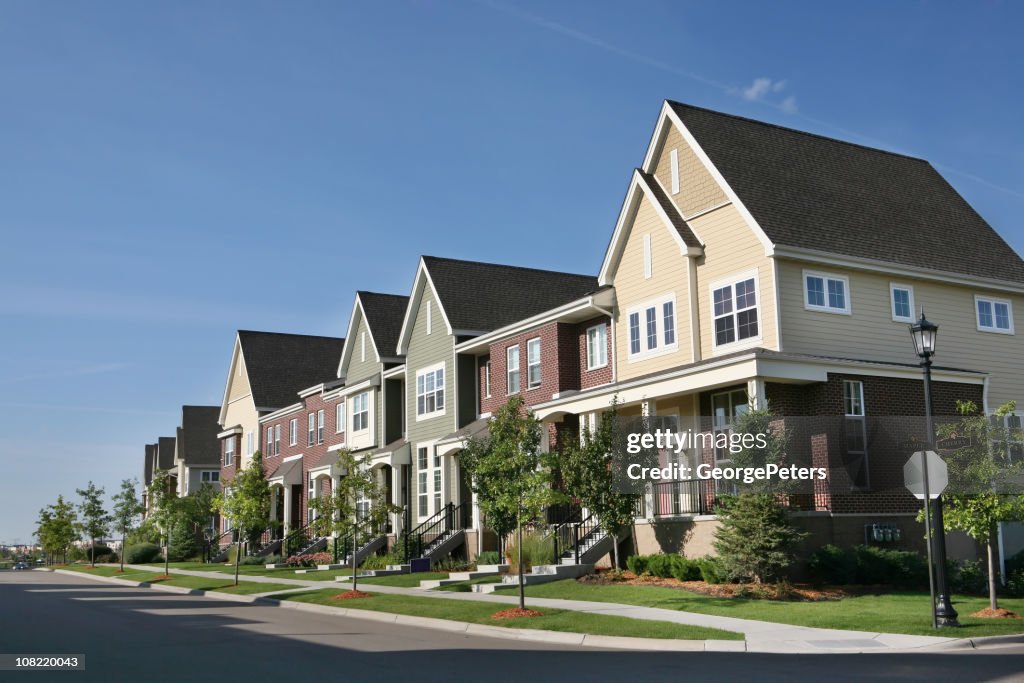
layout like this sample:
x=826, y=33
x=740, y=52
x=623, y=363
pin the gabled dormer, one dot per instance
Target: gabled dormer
x=372, y=338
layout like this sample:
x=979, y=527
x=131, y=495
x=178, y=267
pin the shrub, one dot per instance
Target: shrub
x=833, y=565
x=637, y=564
x=537, y=550
x=142, y=553
x=711, y=570
x=488, y=557
x=686, y=570
x=252, y=560
x=1015, y=584
x=755, y=538
x=968, y=576
x=307, y=560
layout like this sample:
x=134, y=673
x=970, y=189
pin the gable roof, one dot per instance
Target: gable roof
x=147, y=469
x=165, y=452
x=655, y=190
x=197, y=437
x=383, y=314
x=280, y=365
x=480, y=297
x=813, y=192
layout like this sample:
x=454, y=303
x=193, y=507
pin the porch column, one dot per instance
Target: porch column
x=396, y=493
x=335, y=484
x=755, y=394
x=273, y=503
x=477, y=524
x=287, y=509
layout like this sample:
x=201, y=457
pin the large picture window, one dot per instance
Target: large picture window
x=652, y=328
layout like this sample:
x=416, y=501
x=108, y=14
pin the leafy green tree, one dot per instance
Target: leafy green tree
x=358, y=506
x=195, y=521
x=127, y=510
x=508, y=472
x=163, y=501
x=58, y=527
x=587, y=472
x=762, y=421
x=984, y=481
x=245, y=503
x=95, y=519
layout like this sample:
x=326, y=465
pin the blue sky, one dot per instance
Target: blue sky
x=174, y=172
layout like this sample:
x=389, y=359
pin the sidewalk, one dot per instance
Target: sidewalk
x=761, y=636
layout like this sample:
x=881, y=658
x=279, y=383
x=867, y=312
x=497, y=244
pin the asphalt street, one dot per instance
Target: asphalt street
x=138, y=634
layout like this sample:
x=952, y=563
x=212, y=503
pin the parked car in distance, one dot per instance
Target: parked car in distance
x=20, y=566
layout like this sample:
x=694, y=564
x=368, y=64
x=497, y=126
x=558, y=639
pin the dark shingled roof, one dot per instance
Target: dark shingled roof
x=165, y=452
x=198, y=443
x=681, y=226
x=485, y=296
x=819, y=193
x=281, y=365
x=147, y=469
x=384, y=315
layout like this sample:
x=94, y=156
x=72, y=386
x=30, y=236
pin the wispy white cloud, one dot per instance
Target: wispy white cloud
x=762, y=89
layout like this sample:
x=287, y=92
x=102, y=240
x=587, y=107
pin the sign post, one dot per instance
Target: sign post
x=926, y=476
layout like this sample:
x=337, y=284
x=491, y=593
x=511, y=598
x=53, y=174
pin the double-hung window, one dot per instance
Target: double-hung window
x=293, y=432
x=430, y=391
x=339, y=418
x=487, y=379
x=512, y=354
x=533, y=363
x=423, y=495
x=994, y=315
x=902, y=299
x=229, y=451
x=735, y=310
x=311, y=429
x=320, y=426
x=597, y=346
x=250, y=446
x=270, y=441
x=652, y=327
x=277, y=439
x=826, y=293
x=856, y=433
x=360, y=412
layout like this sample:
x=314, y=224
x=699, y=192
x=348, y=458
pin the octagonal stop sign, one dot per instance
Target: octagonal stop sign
x=913, y=474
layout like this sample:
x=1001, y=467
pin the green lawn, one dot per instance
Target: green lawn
x=464, y=586
x=553, y=619
x=402, y=580
x=894, y=613
x=194, y=582
x=255, y=570
x=129, y=573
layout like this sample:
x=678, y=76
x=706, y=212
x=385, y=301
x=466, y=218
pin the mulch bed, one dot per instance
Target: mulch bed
x=516, y=613
x=350, y=595
x=799, y=593
x=161, y=577
x=989, y=613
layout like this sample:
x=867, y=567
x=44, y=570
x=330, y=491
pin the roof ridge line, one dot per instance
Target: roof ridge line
x=505, y=265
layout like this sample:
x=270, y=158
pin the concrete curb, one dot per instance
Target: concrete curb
x=525, y=634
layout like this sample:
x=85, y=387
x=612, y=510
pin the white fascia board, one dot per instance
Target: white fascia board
x=394, y=372
x=346, y=348
x=230, y=432
x=890, y=268
x=360, y=386
x=294, y=408
x=669, y=114
x=235, y=354
x=419, y=283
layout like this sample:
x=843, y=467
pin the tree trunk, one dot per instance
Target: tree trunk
x=522, y=584
x=993, y=600
x=238, y=556
x=355, y=581
x=92, y=552
x=615, y=551
x=123, y=536
x=167, y=554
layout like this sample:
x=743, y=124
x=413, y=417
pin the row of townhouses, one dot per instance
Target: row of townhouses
x=750, y=265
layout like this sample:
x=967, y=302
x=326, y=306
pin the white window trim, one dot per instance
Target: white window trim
x=993, y=301
x=893, y=286
x=847, y=295
x=659, y=312
x=321, y=424
x=604, y=349
x=427, y=371
x=293, y=432
x=739, y=344
x=339, y=417
x=487, y=379
x=508, y=370
x=539, y=364
x=674, y=160
x=250, y=445
x=352, y=416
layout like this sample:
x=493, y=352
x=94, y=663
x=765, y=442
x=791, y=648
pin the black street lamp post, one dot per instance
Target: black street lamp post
x=924, y=334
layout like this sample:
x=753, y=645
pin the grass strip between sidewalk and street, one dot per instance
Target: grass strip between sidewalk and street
x=897, y=612
x=480, y=613
x=202, y=583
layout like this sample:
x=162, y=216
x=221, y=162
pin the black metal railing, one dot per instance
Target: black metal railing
x=680, y=498
x=220, y=546
x=297, y=540
x=570, y=538
x=584, y=531
x=421, y=540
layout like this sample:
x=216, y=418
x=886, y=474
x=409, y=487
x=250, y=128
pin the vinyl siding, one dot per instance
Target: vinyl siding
x=870, y=333
x=357, y=370
x=668, y=274
x=241, y=410
x=697, y=189
x=238, y=384
x=731, y=248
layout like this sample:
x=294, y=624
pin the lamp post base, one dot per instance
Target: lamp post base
x=945, y=614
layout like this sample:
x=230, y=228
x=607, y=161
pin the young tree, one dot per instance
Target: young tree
x=195, y=521
x=589, y=477
x=245, y=503
x=127, y=510
x=164, y=507
x=984, y=481
x=755, y=538
x=358, y=506
x=57, y=527
x=507, y=472
x=95, y=519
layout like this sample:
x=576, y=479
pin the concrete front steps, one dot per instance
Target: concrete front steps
x=459, y=577
x=541, y=574
x=391, y=570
